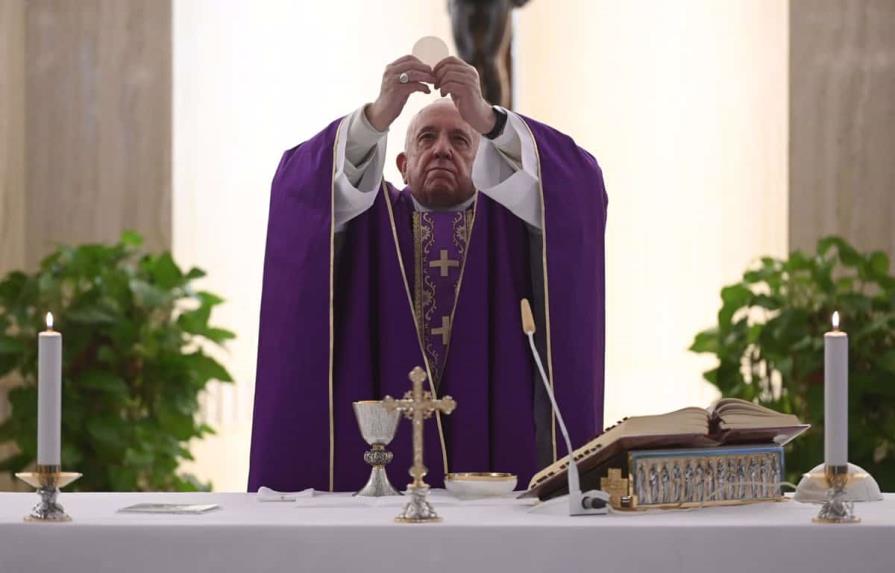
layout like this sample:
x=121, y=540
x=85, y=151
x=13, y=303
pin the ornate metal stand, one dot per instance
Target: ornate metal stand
x=378, y=484
x=418, y=509
x=418, y=405
x=836, y=509
x=47, y=480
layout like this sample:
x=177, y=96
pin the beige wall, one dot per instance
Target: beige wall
x=88, y=153
x=684, y=104
x=98, y=122
x=12, y=134
x=842, y=122
x=12, y=160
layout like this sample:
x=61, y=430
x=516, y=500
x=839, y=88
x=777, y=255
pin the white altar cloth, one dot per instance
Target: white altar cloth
x=334, y=532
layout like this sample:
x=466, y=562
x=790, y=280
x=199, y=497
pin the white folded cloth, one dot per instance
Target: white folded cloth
x=267, y=494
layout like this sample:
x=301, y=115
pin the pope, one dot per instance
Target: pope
x=364, y=281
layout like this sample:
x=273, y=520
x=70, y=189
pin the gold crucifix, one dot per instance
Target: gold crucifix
x=418, y=405
x=616, y=486
x=444, y=330
x=443, y=263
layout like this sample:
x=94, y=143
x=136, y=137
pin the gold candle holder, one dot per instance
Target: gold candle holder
x=47, y=480
x=836, y=509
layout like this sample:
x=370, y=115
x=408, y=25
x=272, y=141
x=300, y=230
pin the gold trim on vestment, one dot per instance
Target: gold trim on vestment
x=419, y=337
x=426, y=301
x=480, y=476
x=332, y=264
x=417, y=272
x=546, y=289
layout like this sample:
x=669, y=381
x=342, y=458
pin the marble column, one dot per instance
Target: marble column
x=98, y=122
x=12, y=134
x=842, y=122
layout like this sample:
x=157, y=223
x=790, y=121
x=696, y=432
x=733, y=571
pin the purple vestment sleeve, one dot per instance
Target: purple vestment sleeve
x=575, y=205
x=290, y=425
x=304, y=433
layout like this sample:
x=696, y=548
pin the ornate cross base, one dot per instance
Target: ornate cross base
x=418, y=509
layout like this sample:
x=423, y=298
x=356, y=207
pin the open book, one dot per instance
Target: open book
x=730, y=421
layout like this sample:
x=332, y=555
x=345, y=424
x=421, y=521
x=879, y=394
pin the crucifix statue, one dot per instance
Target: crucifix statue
x=418, y=405
x=482, y=34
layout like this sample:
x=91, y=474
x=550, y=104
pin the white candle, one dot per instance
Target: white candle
x=49, y=395
x=836, y=395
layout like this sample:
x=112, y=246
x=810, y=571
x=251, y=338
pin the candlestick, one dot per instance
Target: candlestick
x=47, y=481
x=836, y=483
x=836, y=396
x=49, y=396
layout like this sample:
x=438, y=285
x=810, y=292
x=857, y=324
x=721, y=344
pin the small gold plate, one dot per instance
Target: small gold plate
x=470, y=485
x=479, y=476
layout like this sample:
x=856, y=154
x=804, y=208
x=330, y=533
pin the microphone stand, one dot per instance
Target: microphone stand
x=591, y=502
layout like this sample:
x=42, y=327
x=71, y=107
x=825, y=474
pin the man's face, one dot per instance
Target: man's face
x=438, y=156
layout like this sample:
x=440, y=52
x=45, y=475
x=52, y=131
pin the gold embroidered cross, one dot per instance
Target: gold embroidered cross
x=444, y=330
x=443, y=263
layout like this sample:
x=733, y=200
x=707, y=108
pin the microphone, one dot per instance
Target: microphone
x=592, y=502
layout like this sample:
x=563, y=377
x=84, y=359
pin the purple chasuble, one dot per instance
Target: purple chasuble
x=343, y=318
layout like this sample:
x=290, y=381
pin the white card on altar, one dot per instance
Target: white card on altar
x=267, y=494
x=183, y=508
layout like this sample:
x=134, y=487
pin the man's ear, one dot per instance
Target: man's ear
x=401, y=162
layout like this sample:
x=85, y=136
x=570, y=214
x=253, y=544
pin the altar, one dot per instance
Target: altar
x=335, y=532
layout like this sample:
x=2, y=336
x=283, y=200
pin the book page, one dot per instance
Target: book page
x=733, y=413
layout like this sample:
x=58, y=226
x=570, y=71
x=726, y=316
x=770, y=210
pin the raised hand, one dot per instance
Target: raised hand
x=456, y=78
x=393, y=93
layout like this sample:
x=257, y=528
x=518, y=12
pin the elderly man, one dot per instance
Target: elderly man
x=363, y=281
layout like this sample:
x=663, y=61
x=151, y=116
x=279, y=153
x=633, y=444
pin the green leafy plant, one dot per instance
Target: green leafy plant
x=770, y=348
x=133, y=363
